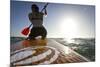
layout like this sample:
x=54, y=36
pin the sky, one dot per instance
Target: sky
x=62, y=21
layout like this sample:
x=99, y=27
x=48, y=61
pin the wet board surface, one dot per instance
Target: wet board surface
x=68, y=53
x=62, y=54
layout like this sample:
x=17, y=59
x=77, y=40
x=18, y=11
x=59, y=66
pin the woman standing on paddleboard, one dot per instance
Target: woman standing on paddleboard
x=36, y=18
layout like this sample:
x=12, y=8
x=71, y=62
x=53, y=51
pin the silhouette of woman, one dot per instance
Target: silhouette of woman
x=36, y=18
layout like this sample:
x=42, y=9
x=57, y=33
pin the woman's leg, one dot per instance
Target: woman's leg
x=38, y=31
x=44, y=33
x=32, y=34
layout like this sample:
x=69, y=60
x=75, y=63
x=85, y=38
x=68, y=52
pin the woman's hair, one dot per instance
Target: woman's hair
x=34, y=6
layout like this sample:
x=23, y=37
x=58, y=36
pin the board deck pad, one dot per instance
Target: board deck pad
x=33, y=55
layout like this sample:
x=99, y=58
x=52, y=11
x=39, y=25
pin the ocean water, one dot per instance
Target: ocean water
x=15, y=39
x=83, y=46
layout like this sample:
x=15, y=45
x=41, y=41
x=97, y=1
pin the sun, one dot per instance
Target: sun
x=68, y=27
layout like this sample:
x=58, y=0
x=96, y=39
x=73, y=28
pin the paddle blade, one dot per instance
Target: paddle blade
x=25, y=31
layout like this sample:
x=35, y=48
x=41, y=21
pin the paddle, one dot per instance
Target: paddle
x=26, y=30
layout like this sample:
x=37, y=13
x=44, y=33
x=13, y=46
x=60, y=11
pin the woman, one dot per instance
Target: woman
x=36, y=18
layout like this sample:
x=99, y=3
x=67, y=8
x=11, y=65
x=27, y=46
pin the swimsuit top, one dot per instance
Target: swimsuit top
x=36, y=19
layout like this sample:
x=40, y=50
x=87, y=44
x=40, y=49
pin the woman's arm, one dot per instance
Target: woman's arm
x=30, y=16
x=45, y=12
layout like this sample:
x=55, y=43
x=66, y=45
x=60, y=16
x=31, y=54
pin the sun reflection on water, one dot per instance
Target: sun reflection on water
x=69, y=40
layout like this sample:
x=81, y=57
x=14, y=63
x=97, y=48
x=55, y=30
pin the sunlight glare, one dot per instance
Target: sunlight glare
x=68, y=27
